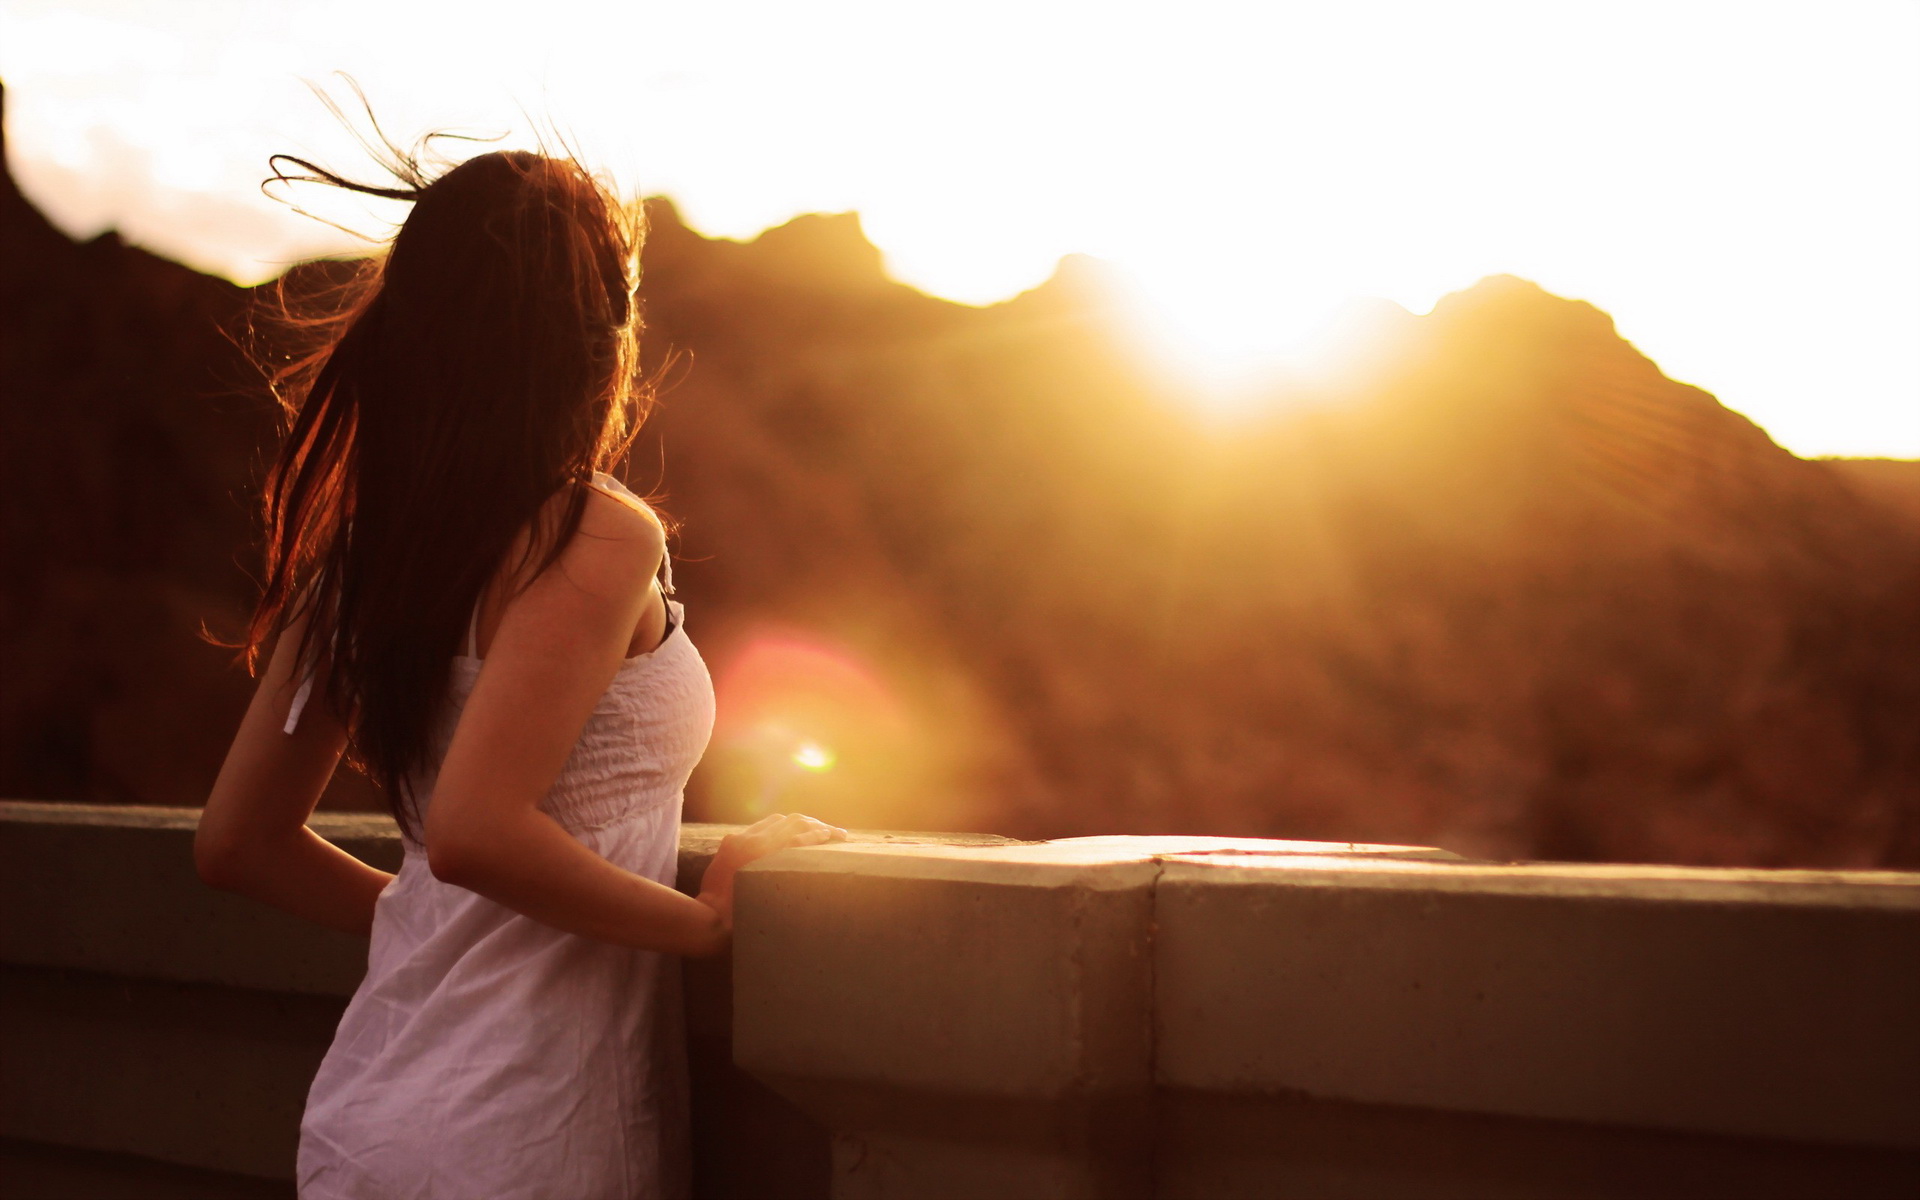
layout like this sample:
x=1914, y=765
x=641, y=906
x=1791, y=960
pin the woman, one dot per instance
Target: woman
x=459, y=597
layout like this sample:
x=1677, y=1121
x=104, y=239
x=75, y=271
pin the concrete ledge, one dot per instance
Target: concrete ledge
x=150, y=1020
x=205, y=1076
x=1763, y=1004
x=113, y=890
x=926, y=1016
x=968, y=1020
x=1296, y=1019
x=1003, y=973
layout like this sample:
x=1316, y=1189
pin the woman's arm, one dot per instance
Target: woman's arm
x=253, y=838
x=558, y=646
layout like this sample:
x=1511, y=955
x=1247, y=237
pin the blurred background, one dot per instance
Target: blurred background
x=1487, y=426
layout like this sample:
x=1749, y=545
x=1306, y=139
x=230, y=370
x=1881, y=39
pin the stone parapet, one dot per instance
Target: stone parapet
x=113, y=889
x=926, y=1016
x=158, y=1036
x=1748, y=1003
x=1114, y=1017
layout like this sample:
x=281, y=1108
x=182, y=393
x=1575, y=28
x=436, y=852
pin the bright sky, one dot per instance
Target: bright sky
x=1737, y=183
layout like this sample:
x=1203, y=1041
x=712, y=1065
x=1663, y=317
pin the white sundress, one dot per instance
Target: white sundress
x=486, y=1055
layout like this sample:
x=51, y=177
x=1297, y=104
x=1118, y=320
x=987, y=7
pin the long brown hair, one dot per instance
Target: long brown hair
x=450, y=388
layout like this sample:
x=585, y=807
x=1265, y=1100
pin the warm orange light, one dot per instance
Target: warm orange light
x=1239, y=345
x=814, y=757
x=1753, y=238
x=805, y=725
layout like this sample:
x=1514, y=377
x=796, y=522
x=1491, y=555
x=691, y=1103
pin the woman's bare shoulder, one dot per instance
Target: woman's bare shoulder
x=616, y=543
x=621, y=500
x=617, y=539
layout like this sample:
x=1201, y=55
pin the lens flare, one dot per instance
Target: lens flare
x=813, y=756
x=809, y=725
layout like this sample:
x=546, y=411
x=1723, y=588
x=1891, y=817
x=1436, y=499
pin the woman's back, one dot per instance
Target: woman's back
x=488, y=1054
x=516, y=1034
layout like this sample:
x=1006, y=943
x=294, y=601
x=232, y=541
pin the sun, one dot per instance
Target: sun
x=1238, y=345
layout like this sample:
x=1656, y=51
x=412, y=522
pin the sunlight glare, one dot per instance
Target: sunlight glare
x=1247, y=165
x=813, y=756
x=1239, y=343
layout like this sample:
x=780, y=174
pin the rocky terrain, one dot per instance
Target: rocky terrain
x=1507, y=589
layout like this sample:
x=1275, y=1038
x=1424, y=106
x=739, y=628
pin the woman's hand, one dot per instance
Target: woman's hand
x=766, y=836
x=773, y=833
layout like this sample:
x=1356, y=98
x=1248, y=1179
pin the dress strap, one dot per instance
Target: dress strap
x=300, y=698
x=473, y=627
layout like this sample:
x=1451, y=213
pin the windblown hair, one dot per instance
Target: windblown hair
x=451, y=388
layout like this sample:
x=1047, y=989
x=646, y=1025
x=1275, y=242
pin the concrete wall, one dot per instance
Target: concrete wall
x=157, y=1037
x=934, y=1017
x=1169, y=1017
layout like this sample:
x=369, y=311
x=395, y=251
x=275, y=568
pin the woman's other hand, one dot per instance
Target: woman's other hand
x=766, y=836
x=772, y=833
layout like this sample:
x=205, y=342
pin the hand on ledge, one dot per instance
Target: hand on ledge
x=766, y=836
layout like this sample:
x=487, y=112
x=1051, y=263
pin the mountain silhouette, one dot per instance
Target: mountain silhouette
x=1506, y=589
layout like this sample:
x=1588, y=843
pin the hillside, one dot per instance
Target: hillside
x=1893, y=482
x=1513, y=591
